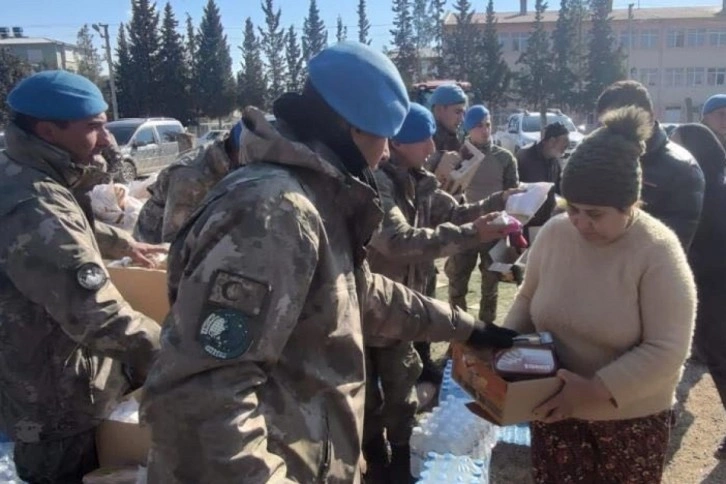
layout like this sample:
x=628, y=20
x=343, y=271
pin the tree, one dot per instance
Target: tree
x=215, y=89
x=423, y=27
x=492, y=79
x=293, y=55
x=191, y=56
x=89, y=64
x=403, y=40
x=174, y=76
x=251, y=83
x=341, y=32
x=535, y=78
x=364, y=26
x=315, y=36
x=12, y=70
x=273, y=46
x=460, y=53
x=125, y=82
x=605, y=61
x=563, y=43
x=436, y=15
x=143, y=47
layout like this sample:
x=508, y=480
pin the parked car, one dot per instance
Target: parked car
x=147, y=144
x=210, y=135
x=524, y=128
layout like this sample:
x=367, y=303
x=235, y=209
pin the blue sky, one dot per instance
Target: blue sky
x=61, y=19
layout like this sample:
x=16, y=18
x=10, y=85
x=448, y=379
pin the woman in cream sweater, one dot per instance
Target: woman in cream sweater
x=613, y=286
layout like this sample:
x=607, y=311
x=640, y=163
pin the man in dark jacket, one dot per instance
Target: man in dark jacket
x=673, y=183
x=713, y=115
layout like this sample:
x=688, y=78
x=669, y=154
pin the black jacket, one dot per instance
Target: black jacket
x=534, y=167
x=673, y=185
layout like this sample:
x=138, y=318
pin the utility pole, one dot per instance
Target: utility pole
x=630, y=37
x=109, y=59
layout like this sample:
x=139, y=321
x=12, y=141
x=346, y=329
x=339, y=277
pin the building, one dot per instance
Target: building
x=40, y=53
x=679, y=53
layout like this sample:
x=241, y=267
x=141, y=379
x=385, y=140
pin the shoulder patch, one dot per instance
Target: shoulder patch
x=235, y=291
x=91, y=276
x=225, y=334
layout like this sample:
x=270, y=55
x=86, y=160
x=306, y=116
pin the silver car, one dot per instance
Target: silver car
x=147, y=144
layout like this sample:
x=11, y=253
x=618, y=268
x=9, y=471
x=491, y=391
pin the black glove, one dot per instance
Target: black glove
x=491, y=336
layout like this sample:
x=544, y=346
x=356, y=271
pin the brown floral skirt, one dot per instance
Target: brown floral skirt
x=618, y=451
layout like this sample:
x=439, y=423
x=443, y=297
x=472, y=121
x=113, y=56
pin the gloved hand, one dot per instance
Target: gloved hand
x=491, y=336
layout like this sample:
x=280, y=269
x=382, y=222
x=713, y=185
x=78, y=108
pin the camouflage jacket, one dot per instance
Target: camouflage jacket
x=65, y=330
x=261, y=373
x=179, y=189
x=421, y=223
x=498, y=171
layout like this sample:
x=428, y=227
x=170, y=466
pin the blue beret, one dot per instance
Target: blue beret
x=235, y=134
x=447, y=95
x=717, y=101
x=475, y=115
x=57, y=96
x=419, y=125
x=362, y=85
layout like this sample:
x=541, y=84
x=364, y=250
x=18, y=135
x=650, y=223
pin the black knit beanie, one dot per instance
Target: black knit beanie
x=604, y=170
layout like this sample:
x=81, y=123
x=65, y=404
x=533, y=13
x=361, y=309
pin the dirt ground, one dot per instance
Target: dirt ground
x=699, y=429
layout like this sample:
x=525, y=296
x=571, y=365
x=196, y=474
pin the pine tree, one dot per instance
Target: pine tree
x=12, y=70
x=563, y=42
x=491, y=79
x=293, y=55
x=364, y=26
x=403, y=40
x=273, y=46
x=174, y=97
x=315, y=36
x=460, y=53
x=214, y=66
x=423, y=30
x=89, y=64
x=341, y=31
x=605, y=61
x=251, y=83
x=436, y=16
x=535, y=78
x=143, y=46
x=128, y=105
x=190, y=49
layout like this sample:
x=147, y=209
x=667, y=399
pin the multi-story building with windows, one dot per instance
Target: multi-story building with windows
x=40, y=53
x=678, y=52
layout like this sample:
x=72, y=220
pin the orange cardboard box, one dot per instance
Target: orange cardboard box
x=497, y=400
x=123, y=443
x=144, y=289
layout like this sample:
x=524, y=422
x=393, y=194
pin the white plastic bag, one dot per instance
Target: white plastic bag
x=139, y=189
x=112, y=204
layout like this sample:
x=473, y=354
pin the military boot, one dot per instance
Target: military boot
x=378, y=458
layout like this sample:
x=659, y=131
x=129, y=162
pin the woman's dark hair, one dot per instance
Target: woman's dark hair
x=705, y=148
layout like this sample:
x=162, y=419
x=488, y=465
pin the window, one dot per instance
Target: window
x=649, y=39
x=674, y=77
x=717, y=37
x=695, y=76
x=696, y=37
x=503, y=40
x=169, y=132
x=145, y=136
x=627, y=40
x=676, y=38
x=649, y=76
x=672, y=114
x=716, y=76
x=35, y=56
x=519, y=41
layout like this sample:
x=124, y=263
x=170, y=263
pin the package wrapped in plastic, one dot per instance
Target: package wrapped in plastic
x=139, y=189
x=113, y=205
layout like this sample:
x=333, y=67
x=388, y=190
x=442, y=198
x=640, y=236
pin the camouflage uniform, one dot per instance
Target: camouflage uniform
x=261, y=373
x=421, y=223
x=497, y=172
x=67, y=335
x=179, y=190
x=444, y=140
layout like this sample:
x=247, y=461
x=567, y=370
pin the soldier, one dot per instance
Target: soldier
x=261, y=373
x=498, y=171
x=70, y=346
x=448, y=103
x=182, y=186
x=421, y=223
x=714, y=116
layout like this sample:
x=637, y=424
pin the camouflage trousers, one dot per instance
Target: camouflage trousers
x=391, y=402
x=63, y=461
x=458, y=269
x=615, y=451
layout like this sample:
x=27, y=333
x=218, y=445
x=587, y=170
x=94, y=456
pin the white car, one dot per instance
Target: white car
x=524, y=129
x=211, y=135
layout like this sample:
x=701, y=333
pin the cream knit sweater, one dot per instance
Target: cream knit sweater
x=624, y=311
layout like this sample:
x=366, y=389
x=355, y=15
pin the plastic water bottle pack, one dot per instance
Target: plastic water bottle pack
x=440, y=468
x=450, y=387
x=515, y=434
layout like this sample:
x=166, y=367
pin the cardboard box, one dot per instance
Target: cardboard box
x=497, y=400
x=144, y=289
x=505, y=257
x=123, y=443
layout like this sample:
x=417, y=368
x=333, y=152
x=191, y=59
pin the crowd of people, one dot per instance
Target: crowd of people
x=301, y=279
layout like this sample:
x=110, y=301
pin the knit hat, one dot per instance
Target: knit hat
x=604, y=170
x=717, y=101
x=418, y=126
x=553, y=130
x=447, y=95
x=475, y=115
